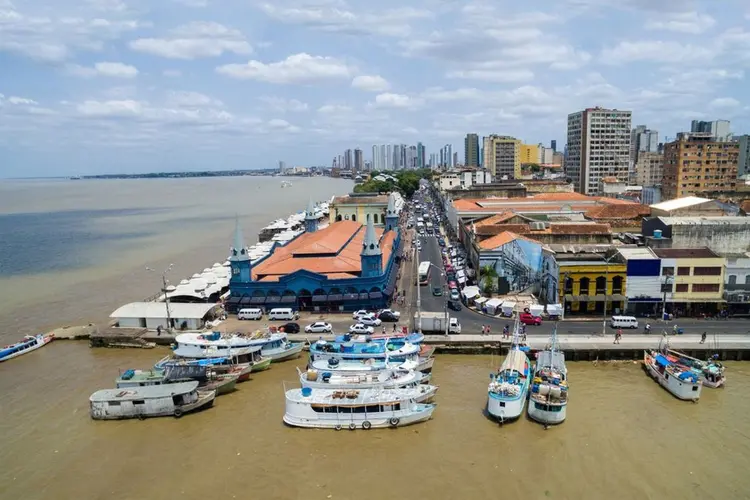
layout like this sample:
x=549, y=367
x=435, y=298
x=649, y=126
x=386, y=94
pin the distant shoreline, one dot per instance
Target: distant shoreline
x=169, y=175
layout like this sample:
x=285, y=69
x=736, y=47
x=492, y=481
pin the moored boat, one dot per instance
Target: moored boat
x=393, y=350
x=385, y=379
x=354, y=409
x=150, y=401
x=678, y=380
x=711, y=371
x=28, y=344
x=207, y=378
x=509, y=387
x=548, y=399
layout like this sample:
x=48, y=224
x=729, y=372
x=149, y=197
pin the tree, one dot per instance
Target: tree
x=488, y=279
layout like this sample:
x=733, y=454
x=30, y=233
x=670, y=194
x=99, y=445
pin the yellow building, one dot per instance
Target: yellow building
x=693, y=279
x=361, y=206
x=529, y=153
x=502, y=156
x=586, y=281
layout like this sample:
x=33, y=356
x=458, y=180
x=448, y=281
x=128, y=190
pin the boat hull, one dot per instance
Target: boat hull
x=504, y=408
x=547, y=417
x=356, y=421
x=205, y=400
x=223, y=385
x=425, y=365
x=259, y=366
x=10, y=352
x=713, y=385
x=278, y=355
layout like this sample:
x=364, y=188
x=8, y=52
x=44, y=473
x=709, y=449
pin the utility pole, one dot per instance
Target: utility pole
x=419, y=285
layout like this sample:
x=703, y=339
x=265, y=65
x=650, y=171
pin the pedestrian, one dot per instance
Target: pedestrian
x=394, y=327
x=158, y=330
x=618, y=335
x=703, y=338
x=488, y=330
x=383, y=329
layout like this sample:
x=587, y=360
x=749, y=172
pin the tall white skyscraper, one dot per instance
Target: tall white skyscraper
x=598, y=147
x=389, y=158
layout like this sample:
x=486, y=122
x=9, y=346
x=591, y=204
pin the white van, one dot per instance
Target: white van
x=623, y=322
x=252, y=313
x=283, y=313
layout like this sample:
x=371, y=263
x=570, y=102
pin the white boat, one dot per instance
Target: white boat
x=711, y=371
x=149, y=401
x=391, y=349
x=363, y=366
x=28, y=344
x=274, y=346
x=354, y=409
x=548, y=400
x=385, y=379
x=509, y=387
x=680, y=381
x=424, y=365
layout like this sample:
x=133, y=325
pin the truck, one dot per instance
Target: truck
x=434, y=322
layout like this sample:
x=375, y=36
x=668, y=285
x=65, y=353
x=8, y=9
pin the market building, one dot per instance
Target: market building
x=344, y=266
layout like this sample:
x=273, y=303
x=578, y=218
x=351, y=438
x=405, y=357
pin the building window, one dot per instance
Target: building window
x=667, y=271
x=706, y=287
x=732, y=279
x=617, y=285
x=568, y=288
x=346, y=217
x=682, y=287
x=747, y=279
x=683, y=271
x=706, y=271
x=601, y=285
x=584, y=286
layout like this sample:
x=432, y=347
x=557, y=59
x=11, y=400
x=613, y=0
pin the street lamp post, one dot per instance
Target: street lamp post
x=164, y=282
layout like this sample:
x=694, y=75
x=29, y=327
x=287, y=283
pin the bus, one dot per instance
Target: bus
x=424, y=273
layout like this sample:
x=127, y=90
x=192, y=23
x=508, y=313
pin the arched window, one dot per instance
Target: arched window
x=338, y=218
x=346, y=217
x=375, y=218
x=354, y=217
x=601, y=285
x=568, y=287
x=585, y=282
x=617, y=285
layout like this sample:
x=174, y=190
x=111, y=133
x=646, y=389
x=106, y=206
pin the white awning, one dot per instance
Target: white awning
x=159, y=310
x=495, y=303
x=470, y=292
x=480, y=300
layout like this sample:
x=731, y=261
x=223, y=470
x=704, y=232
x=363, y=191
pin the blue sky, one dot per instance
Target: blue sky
x=95, y=86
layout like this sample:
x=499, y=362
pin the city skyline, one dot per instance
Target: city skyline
x=132, y=86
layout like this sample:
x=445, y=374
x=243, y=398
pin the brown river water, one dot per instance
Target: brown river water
x=625, y=437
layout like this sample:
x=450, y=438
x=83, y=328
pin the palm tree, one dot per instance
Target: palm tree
x=487, y=278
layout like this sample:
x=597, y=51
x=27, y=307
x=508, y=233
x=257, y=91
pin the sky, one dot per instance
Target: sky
x=127, y=86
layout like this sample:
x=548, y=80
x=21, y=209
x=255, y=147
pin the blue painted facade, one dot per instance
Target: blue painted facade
x=310, y=291
x=643, y=291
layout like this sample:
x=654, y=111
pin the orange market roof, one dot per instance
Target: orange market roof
x=333, y=251
x=502, y=239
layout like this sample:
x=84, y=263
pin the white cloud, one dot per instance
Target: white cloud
x=181, y=98
x=336, y=18
x=123, y=108
x=193, y=3
x=21, y=100
x=297, y=68
x=390, y=100
x=658, y=51
x=195, y=40
x=109, y=69
x=371, y=83
x=283, y=105
x=724, y=102
x=509, y=75
x=334, y=109
x=682, y=22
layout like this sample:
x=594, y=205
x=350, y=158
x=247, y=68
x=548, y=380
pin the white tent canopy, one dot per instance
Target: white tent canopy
x=470, y=292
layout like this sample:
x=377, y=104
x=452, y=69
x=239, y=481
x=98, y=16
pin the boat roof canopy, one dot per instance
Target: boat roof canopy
x=554, y=359
x=147, y=392
x=515, y=360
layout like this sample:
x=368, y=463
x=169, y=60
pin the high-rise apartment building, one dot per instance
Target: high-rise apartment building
x=502, y=156
x=698, y=164
x=420, y=155
x=642, y=140
x=598, y=146
x=455, y=158
x=433, y=161
x=719, y=129
x=282, y=166
x=471, y=150
x=348, y=161
x=553, y=145
x=649, y=170
x=389, y=158
x=743, y=159
x=359, y=160
x=545, y=155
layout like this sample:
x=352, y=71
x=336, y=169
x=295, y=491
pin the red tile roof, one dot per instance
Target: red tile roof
x=628, y=211
x=333, y=251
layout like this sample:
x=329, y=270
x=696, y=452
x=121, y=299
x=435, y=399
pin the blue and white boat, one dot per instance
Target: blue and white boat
x=360, y=366
x=413, y=338
x=275, y=346
x=548, y=400
x=28, y=344
x=509, y=387
x=379, y=350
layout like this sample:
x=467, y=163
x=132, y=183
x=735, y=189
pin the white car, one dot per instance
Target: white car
x=360, y=313
x=454, y=294
x=319, y=327
x=370, y=320
x=361, y=329
x=395, y=314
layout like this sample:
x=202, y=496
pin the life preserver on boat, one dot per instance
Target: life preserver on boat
x=337, y=427
x=352, y=426
x=366, y=425
x=177, y=412
x=394, y=421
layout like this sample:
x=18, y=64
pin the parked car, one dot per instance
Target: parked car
x=360, y=313
x=319, y=327
x=370, y=320
x=393, y=313
x=454, y=305
x=528, y=319
x=387, y=317
x=441, y=242
x=361, y=329
x=454, y=294
x=437, y=291
x=290, y=328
